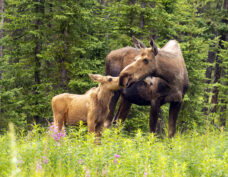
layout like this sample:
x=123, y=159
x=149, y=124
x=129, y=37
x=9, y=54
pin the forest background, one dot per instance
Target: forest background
x=48, y=47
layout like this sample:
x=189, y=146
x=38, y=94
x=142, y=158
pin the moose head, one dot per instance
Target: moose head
x=144, y=65
x=106, y=82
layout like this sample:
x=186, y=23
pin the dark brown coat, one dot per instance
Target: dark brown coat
x=169, y=88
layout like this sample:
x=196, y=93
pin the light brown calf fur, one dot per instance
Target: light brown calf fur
x=92, y=107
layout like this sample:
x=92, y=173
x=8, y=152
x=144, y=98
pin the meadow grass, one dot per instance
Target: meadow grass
x=43, y=153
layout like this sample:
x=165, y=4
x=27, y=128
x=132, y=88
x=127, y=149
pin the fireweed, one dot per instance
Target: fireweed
x=55, y=134
x=116, y=157
x=38, y=166
x=45, y=160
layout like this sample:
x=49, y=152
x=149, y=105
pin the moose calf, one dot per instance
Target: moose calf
x=92, y=107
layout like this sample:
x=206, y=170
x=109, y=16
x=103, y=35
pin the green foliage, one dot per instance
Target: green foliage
x=138, y=119
x=38, y=154
x=223, y=84
x=51, y=46
x=183, y=20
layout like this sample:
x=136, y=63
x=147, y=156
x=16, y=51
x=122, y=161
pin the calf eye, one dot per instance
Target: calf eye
x=145, y=60
x=110, y=79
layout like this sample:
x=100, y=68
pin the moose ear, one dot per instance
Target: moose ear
x=96, y=77
x=153, y=45
x=137, y=43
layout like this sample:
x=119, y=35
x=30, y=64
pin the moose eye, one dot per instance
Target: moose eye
x=145, y=60
x=110, y=79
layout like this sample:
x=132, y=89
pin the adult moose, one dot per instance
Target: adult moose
x=151, y=91
x=166, y=63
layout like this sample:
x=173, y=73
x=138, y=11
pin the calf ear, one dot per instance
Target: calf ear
x=154, y=47
x=96, y=77
x=137, y=43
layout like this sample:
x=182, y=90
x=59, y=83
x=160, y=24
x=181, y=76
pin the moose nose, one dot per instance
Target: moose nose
x=125, y=80
x=122, y=78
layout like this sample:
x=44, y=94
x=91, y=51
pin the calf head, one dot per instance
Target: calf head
x=107, y=82
x=144, y=64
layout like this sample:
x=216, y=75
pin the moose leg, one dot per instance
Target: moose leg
x=154, y=112
x=112, y=107
x=124, y=108
x=173, y=114
x=160, y=123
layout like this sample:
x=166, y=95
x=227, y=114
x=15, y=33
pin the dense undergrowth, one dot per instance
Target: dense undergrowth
x=44, y=152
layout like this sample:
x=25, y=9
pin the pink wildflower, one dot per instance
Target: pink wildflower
x=38, y=166
x=145, y=174
x=55, y=134
x=105, y=172
x=115, y=161
x=80, y=162
x=45, y=159
x=87, y=172
x=117, y=156
x=19, y=162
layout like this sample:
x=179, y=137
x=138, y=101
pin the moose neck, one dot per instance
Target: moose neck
x=104, y=95
x=167, y=68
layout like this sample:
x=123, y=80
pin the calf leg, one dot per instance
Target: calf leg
x=59, y=121
x=112, y=107
x=154, y=112
x=91, y=123
x=124, y=108
x=173, y=114
x=91, y=127
x=98, y=128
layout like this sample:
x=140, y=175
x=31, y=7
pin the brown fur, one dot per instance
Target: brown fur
x=168, y=64
x=169, y=88
x=92, y=107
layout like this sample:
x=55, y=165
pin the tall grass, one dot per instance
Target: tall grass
x=38, y=153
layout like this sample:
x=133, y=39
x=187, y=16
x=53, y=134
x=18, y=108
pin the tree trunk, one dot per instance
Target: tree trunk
x=1, y=27
x=1, y=36
x=39, y=10
x=218, y=70
x=226, y=4
x=209, y=70
x=142, y=21
x=212, y=58
x=63, y=59
x=102, y=2
x=214, y=99
x=223, y=111
x=131, y=2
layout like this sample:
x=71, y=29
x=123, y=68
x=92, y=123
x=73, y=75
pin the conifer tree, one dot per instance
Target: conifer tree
x=49, y=47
